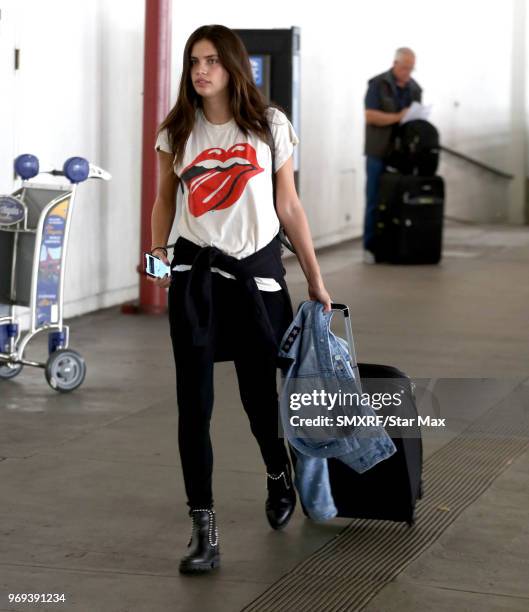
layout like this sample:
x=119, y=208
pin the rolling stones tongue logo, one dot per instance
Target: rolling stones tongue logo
x=216, y=178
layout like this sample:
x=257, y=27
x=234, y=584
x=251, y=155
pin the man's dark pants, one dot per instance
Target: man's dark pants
x=374, y=169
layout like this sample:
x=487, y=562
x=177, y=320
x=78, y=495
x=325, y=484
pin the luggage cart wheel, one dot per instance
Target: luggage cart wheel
x=11, y=370
x=65, y=370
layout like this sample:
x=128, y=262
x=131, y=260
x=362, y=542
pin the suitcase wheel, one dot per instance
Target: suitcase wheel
x=413, y=519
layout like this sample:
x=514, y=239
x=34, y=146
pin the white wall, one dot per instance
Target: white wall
x=7, y=102
x=79, y=92
x=526, y=54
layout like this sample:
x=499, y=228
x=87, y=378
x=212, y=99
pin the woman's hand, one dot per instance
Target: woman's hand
x=166, y=280
x=319, y=293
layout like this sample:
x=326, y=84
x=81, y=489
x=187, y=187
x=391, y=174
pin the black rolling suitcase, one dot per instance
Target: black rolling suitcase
x=390, y=489
x=409, y=219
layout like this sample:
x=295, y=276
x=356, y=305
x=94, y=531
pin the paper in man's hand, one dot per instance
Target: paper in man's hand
x=416, y=111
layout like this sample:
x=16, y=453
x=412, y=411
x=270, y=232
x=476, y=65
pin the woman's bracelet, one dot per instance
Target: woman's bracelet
x=159, y=247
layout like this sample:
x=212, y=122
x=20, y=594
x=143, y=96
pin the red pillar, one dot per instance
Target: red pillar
x=156, y=92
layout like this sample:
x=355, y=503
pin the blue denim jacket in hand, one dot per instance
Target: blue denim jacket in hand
x=319, y=361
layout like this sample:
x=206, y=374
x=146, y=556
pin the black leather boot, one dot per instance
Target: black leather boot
x=281, y=499
x=204, y=542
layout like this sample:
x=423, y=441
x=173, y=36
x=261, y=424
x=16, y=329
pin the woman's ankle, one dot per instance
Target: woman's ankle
x=198, y=507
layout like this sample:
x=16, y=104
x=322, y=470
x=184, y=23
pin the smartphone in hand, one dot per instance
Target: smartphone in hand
x=156, y=267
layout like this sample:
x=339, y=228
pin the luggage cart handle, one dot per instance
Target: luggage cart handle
x=95, y=172
x=348, y=329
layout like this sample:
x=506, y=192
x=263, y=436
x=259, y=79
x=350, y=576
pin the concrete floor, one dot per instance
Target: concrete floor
x=92, y=495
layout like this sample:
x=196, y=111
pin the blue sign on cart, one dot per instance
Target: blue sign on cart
x=53, y=231
x=50, y=263
x=12, y=211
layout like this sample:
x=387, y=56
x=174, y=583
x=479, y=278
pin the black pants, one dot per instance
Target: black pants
x=256, y=370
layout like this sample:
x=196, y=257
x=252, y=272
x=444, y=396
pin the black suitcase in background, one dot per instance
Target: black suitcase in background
x=390, y=489
x=416, y=148
x=409, y=219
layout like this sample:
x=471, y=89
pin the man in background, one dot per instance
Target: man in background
x=388, y=97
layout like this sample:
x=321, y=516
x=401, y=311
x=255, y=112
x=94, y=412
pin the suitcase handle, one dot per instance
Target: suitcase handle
x=348, y=329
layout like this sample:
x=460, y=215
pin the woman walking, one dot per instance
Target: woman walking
x=228, y=300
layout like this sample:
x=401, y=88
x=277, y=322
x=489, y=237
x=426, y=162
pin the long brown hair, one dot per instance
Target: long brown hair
x=247, y=104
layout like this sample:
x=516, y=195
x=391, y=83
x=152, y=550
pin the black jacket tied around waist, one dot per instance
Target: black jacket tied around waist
x=198, y=308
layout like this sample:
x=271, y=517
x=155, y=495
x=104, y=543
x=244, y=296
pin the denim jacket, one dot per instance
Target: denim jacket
x=319, y=366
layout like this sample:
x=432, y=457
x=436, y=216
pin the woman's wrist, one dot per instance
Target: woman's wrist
x=315, y=281
x=162, y=248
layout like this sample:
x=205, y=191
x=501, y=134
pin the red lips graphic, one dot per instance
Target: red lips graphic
x=216, y=178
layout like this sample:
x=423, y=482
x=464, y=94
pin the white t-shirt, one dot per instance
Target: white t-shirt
x=227, y=200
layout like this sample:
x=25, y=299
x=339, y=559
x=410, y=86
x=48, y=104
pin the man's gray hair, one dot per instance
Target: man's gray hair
x=401, y=51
